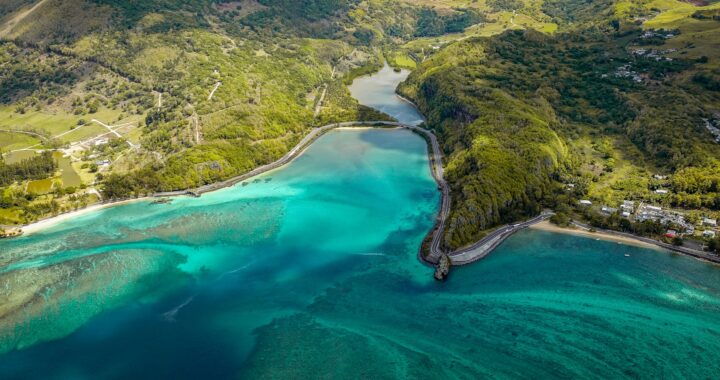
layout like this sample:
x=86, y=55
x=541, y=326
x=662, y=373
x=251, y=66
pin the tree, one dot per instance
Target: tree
x=560, y=219
x=714, y=245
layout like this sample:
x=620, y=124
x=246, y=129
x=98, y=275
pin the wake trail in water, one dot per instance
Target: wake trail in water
x=236, y=270
x=170, y=315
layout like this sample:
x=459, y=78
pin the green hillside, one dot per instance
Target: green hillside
x=526, y=96
x=602, y=105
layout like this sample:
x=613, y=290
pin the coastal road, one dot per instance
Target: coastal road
x=463, y=256
x=438, y=173
x=436, y=169
x=487, y=244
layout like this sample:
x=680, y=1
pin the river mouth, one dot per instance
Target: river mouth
x=258, y=250
x=378, y=91
x=311, y=270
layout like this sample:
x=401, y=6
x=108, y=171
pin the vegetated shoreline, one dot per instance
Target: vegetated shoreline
x=294, y=153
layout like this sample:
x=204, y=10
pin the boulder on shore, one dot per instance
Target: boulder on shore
x=443, y=268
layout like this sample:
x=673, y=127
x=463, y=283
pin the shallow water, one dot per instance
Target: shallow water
x=232, y=260
x=311, y=271
x=543, y=305
x=378, y=91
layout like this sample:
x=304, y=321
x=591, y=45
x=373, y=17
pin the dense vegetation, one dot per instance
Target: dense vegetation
x=37, y=167
x=502, y=151
x=514, y=111
x=203, y=90
x=430, y=23
x=150, y=66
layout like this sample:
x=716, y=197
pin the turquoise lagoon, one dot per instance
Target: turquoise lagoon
x=311, y=271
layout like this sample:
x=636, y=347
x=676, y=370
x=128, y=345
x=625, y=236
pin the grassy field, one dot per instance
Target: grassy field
x=41, y=186
x=697, y=37
x=18, y=156
x=400, y=59
x=68, y=176
x=55, y=123
x=497, y=23
x=13, y=140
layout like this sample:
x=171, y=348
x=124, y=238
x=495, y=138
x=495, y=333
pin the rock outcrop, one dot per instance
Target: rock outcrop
x=443, y=268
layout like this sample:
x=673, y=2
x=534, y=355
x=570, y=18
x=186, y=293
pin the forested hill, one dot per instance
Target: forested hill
x=196, y=91
x=528, y=97
x=158, y=95
x=623, y=94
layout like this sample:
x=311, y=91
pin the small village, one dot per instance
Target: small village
x=678, y=224
x=627, y=71
x=660, y=33
x=657, y=55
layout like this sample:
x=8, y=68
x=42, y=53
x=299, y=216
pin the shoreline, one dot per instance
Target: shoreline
x=297, y=151
x=53, y=220
x=549, y=227
x=632, y=240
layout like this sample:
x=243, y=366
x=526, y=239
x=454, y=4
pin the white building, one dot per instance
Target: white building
x=585, y=202
x=661, y=191
x=709, y=222
x=608, y=210
x=709, y=234
x=628, y=206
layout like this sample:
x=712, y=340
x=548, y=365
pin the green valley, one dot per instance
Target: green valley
x=537, y=104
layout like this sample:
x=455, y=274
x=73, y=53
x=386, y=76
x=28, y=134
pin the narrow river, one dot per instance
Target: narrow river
x=311, y=271
x=378, y=91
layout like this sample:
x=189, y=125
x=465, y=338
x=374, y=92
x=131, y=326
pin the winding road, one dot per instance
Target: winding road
x=487, y=244
x=463, y=256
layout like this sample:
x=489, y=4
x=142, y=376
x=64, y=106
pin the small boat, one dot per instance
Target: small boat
x=627, y=255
